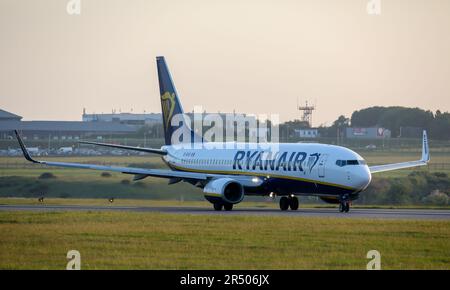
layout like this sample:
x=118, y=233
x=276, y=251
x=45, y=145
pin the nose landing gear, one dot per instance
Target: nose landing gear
x=289, y=202
x=345, y=203
x=344, y=207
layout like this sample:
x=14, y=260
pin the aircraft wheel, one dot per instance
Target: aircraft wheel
x=344, y=207
x=294, y=203
x=347, y=207
x=284, y=203
x=218, y=206
x=228, y=206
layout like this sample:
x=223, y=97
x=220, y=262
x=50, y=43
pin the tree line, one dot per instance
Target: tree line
x=394, y=118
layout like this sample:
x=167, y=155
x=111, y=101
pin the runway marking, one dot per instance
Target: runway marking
x=302, y=212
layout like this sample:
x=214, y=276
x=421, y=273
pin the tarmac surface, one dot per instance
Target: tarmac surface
x=417, y=214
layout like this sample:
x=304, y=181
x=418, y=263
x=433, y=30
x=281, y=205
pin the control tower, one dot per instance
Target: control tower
x=307, y=111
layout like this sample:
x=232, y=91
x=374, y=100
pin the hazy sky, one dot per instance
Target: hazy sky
x=252, y=56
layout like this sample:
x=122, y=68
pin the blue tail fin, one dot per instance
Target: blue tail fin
x=170, y=104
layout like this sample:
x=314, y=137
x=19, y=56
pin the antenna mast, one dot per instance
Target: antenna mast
x=307, y=111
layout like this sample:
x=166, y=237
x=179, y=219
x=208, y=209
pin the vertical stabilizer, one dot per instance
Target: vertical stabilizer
x=170, y=103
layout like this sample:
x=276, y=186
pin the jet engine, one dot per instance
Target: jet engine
x=225, y=190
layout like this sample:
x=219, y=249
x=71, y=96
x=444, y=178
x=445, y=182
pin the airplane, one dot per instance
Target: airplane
x=335, y=174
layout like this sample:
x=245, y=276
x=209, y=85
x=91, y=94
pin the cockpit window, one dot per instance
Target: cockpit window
x=342, y=163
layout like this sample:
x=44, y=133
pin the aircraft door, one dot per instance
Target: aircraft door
x=322, y=165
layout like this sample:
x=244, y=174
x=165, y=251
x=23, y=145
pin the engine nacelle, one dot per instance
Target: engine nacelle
x=224, y=190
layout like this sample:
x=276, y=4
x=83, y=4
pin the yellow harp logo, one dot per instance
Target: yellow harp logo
x=168, y=105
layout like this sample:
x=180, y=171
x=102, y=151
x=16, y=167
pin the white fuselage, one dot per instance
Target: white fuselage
x=308, y=163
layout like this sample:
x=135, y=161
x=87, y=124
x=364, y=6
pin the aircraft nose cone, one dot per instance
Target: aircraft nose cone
x=363, y=178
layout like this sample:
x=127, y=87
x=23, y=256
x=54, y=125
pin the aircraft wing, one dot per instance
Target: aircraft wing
x=140, y=173
x=127, y=170
x=140, y=149
x=394, y=166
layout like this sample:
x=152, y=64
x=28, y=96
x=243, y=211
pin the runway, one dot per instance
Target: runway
x=418, y=214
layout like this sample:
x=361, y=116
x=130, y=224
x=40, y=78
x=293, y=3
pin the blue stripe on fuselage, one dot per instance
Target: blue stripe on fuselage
x=283, y=186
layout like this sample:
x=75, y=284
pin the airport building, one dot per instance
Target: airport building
x=367, y=133
x=100, y=126
x=7, y=116
x=229, y=120
x=124, y=118
x=307, y=133
x=60, y=130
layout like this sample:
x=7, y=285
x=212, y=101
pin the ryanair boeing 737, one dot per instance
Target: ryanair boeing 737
x=333, y=173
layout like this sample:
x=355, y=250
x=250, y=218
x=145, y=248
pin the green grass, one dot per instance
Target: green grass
x=75, y=186
x=118, y=240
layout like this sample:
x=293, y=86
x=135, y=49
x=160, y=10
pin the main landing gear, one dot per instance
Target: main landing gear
x=218, y=206
x=289, y=202
x=344, y=206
